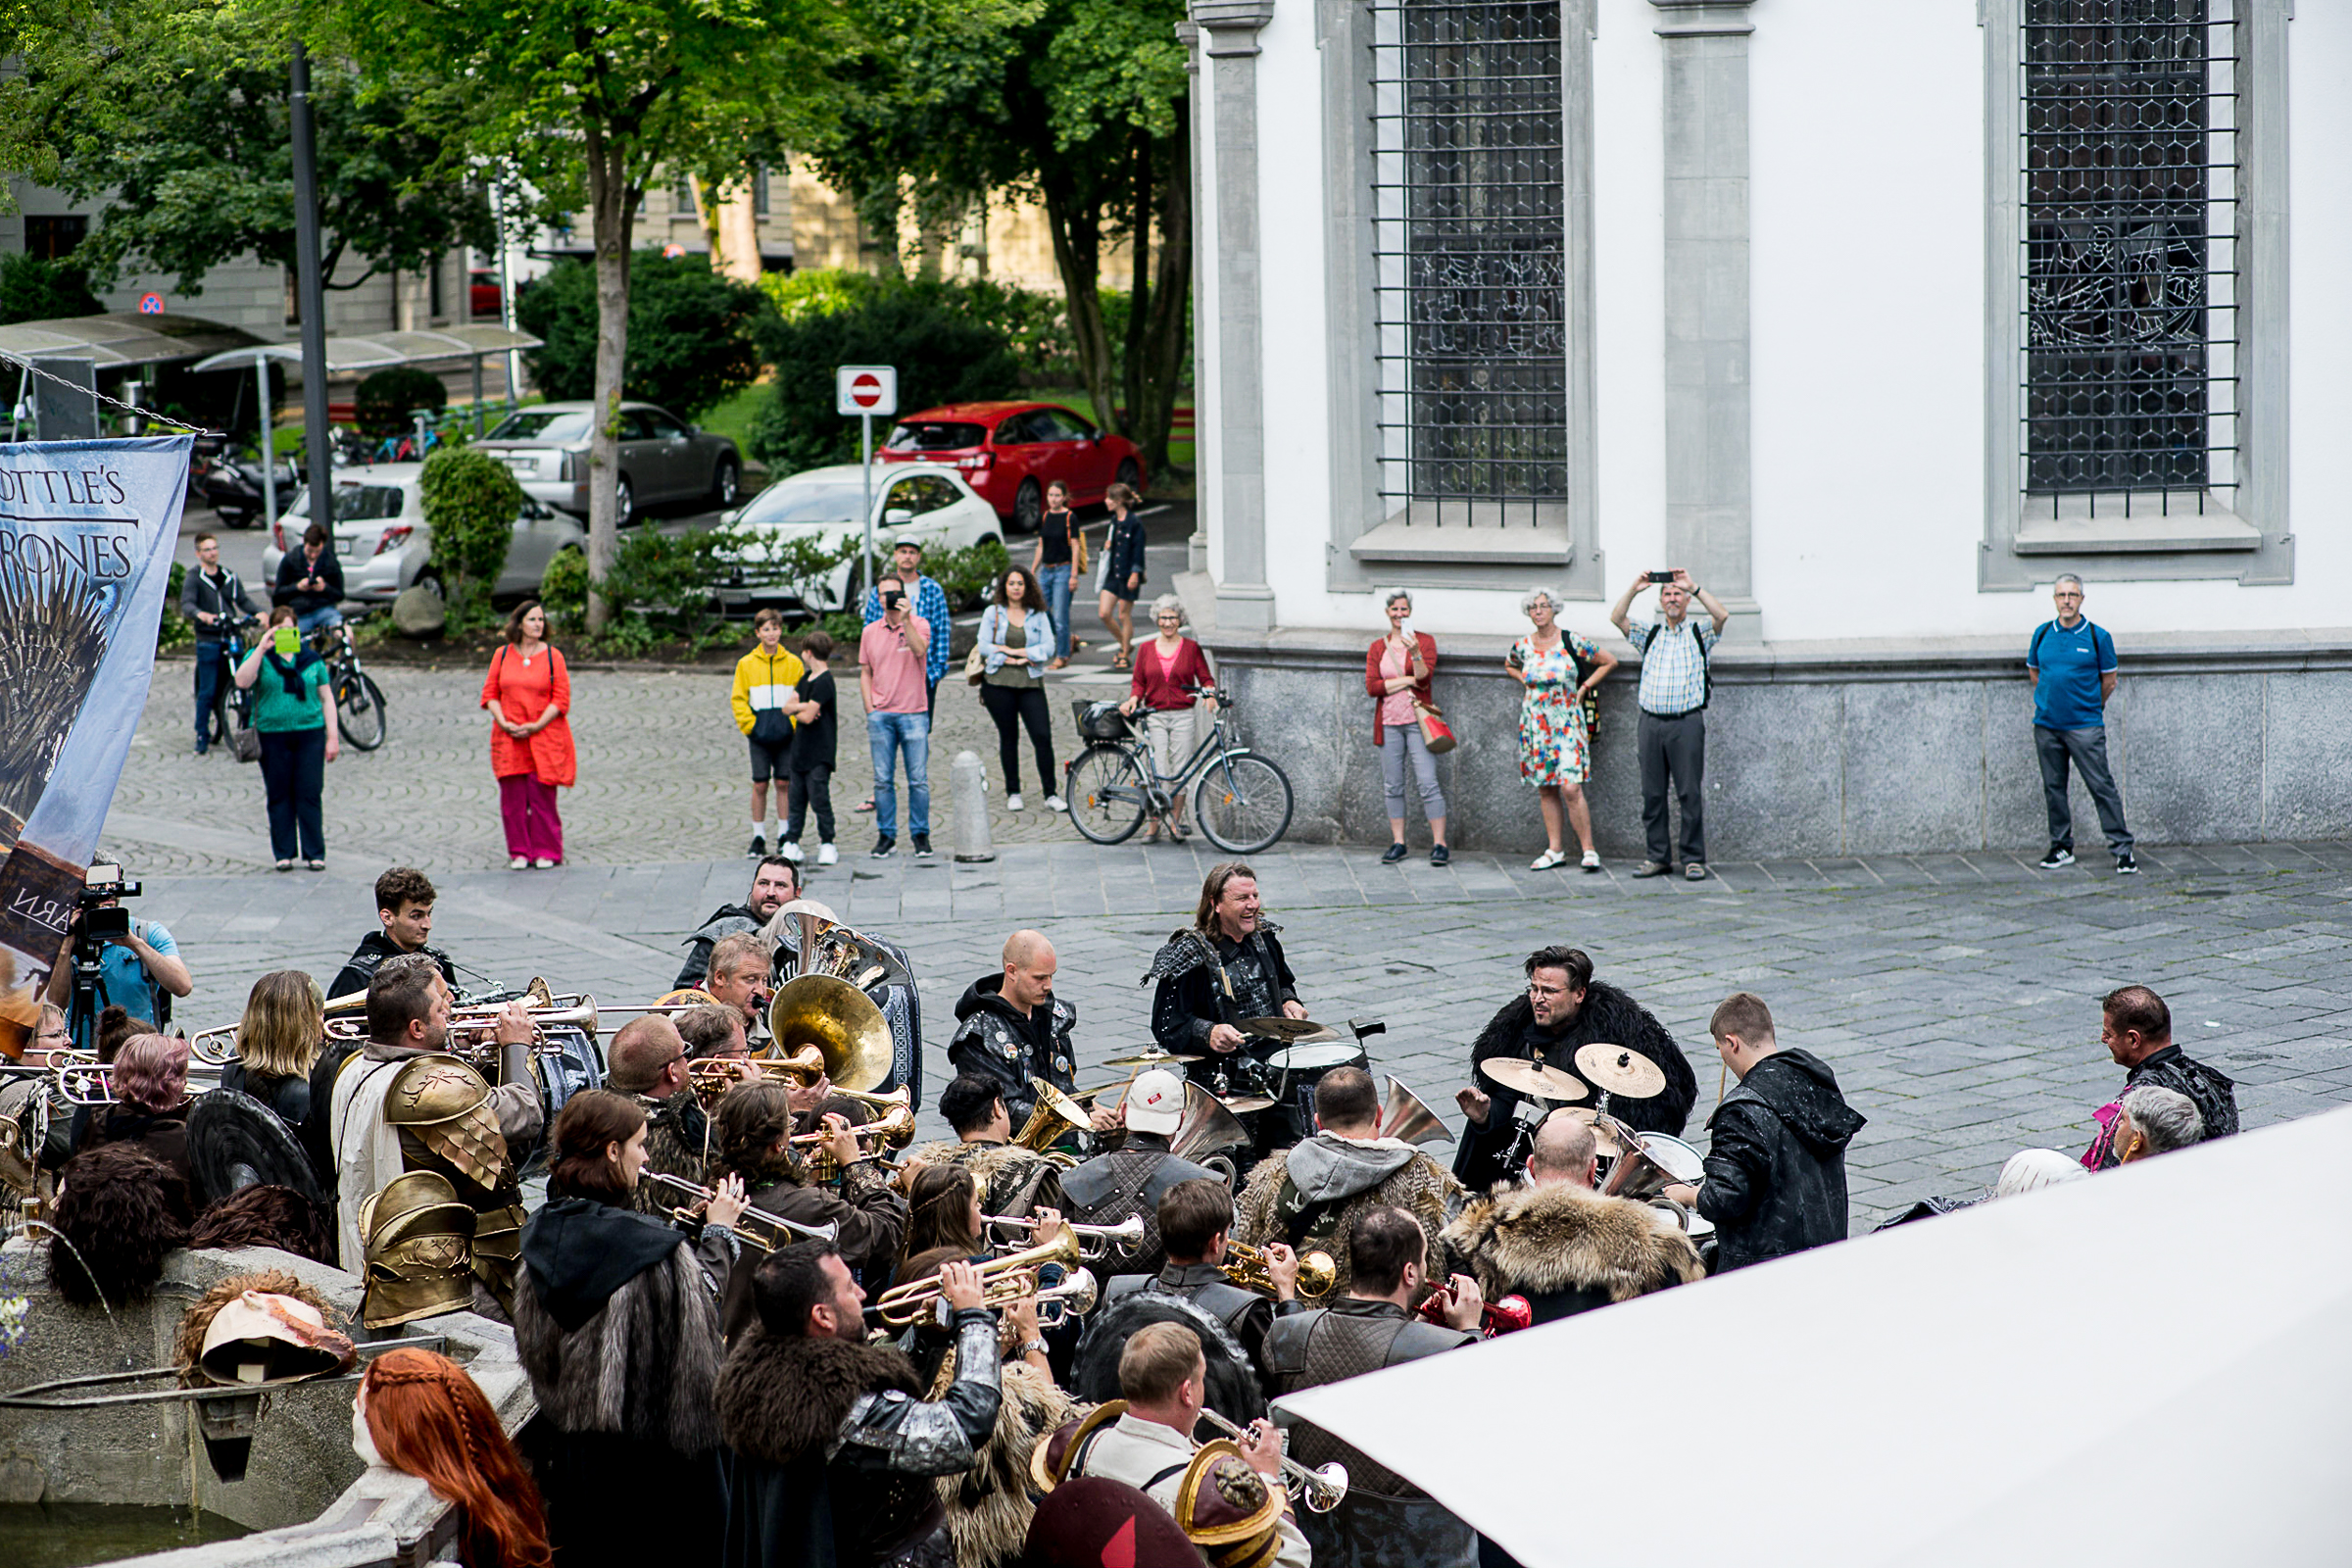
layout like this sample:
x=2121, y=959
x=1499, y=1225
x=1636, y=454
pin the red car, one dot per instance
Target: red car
x=1009, y=451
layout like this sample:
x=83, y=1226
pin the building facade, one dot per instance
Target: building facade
x=1875, y=318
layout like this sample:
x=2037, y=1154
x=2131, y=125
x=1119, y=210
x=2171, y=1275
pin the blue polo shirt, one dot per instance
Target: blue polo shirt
x=2066, y=695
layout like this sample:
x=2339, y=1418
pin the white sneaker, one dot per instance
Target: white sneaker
x=1054, y=803
x=543, y=864
x=790, y=849
x=1013, y=802
x=519, y=863
x=827, y=854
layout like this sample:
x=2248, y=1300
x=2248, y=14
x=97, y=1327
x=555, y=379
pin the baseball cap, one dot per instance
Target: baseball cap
x=1155, y=1102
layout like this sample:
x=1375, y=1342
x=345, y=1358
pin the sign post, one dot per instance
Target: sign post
x=867, y=390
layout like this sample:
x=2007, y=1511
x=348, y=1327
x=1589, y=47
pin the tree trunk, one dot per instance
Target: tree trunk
x=1077, y=230
x=1132, y=372
x=1163, y=350
x=612, y=207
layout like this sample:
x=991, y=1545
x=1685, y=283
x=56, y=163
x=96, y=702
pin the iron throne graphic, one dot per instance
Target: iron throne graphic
x=52, y=638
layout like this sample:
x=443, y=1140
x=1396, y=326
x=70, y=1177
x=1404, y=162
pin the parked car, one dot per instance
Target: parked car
x=823, y=504
x=385, y=545
x=483, y=297
x=1009, y=451
x=662, y=458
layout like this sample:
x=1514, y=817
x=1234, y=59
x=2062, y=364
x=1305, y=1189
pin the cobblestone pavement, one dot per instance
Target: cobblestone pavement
x=1956, y=998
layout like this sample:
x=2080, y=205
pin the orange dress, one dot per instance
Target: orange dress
x=523, y=688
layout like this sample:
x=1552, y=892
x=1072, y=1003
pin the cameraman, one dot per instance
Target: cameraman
x=132, y=968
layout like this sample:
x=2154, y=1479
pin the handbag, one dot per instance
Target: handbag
x=248, y=744
x=975, y=667
x=1436, y=733
x=1077, y=548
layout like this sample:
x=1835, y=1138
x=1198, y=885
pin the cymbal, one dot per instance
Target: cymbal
x=1532, y=1078
x=1618, y=1070
x=1605, y=1137
x=1244, y=1104
x=1150, y=1057
x=1289, y=1030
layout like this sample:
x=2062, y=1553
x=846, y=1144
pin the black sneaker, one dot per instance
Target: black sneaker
x=2125, y=865
x=2057, y=858
x=1393, y=854
x=922, y=846
x=885, y=847
x=758, y=845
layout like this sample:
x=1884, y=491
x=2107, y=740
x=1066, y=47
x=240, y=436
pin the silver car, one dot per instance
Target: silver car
x=384, y=544
x=662, y=458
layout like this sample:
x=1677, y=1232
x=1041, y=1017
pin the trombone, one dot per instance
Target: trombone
x=1003, y=1281
x=1252, y=1269
x=757, y=1228
x=1094, y=1241
x=1319, y=1490
x=85, y=1082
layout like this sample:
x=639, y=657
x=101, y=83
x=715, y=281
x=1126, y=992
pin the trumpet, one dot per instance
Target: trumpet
x=1094, y=1241
x=895, y=1130
x=470, y=1026
x=713, y=1076
x=1252, y=1269
x=1073, y=1298
x=1003, y=1281
x=1319, y=1490
x=756, y=1228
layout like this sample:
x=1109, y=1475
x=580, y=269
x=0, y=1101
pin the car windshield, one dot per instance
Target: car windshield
x=935, y=435
x=355, y=503
x=541, y=424
x=807, y=501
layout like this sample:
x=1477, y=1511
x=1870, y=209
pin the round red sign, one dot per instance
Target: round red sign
x=151, y=305
x=866, y=389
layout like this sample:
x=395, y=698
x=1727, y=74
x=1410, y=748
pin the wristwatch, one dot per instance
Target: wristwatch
x=1034, y=1346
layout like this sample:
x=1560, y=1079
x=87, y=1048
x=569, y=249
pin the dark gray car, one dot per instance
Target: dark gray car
x=662, y=458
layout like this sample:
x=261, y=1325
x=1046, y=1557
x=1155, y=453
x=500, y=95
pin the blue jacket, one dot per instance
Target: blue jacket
x=1038, y=627
x=1123, y=551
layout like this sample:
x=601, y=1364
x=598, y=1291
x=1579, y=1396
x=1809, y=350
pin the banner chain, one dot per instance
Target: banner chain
x=132, y=408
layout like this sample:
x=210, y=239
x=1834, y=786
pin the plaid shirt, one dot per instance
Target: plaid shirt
x=930, y=602
x=1673, y=671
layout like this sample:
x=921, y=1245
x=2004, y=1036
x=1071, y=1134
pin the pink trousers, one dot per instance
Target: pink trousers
x=533, y=829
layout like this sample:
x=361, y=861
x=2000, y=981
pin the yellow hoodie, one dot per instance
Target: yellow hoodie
x=765, y=680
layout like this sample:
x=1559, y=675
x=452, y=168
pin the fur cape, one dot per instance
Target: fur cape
x=1609, y=1013
x=645, y=1366
x=267, y=1215
x=1021, y=1179
x=989, y=1506
x=1566, y=1237
x=1421, y=1187
x=783, y=1399
x=188, y=1348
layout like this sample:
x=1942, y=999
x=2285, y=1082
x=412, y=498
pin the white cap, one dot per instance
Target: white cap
x=1155, y=1102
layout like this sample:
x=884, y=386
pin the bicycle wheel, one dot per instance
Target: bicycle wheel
x=1243, y=803
x=1104, y=789
x=225, y=710
x=360, y=711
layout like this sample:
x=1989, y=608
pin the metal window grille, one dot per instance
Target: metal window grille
x=759, y=191
x=1470, y=261
x=2129, y=167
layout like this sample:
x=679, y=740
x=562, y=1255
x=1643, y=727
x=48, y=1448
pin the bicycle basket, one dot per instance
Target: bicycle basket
x=1100, y=720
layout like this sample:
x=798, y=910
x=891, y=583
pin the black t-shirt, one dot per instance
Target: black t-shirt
x=1054, y=531
x=812, y=740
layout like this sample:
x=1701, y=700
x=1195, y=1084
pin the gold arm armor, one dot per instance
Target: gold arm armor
x=419, y=1241
x=444, y=1104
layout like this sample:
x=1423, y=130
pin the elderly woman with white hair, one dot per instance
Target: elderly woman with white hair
x=1396, y=675
x=1168, y=670
x=1560, y=671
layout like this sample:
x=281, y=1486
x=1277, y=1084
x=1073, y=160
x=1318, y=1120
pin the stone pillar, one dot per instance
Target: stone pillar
x=1189, y=35
x=1243, y=601
x=1709, y=505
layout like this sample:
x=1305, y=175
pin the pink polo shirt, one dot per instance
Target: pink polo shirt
x=895, y=661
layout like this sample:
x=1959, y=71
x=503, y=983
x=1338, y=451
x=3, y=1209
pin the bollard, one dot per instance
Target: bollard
x=972, y=840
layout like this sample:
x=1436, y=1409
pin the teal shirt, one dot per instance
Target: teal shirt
x=276, y=711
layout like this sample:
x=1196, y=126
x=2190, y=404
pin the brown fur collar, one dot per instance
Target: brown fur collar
x=782, y=1398
x=1421, y=1187
x=985, y=1161
x=1548, y=1239
x=989, y=1506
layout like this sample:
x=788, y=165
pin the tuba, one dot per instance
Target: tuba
x=1054, y=1118
x=843, y=1023
x=1405, y=1119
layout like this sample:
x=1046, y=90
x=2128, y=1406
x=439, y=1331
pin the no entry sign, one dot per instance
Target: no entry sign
x=871, y=389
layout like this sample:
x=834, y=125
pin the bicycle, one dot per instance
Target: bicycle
x=358, y=701
x=1241, y=800
x=232, y=705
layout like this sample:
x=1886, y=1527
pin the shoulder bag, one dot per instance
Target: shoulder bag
x=975, y=663
x=1436, y=733
x=1077, y=548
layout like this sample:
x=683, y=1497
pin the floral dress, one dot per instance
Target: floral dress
x=1552, y=743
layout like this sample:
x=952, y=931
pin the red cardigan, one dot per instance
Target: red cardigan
x=1377, y=686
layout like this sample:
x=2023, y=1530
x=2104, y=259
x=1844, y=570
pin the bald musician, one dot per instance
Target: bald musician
x=1010, y=1027
x=1563, y=1246
x=646, y=1062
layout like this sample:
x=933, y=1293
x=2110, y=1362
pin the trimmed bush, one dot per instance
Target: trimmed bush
x=564, y=591
x=34, y=290
x=692, y=332
x=385, y=400
x=470, y=502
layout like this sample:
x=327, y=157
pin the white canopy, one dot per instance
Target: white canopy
x=377, y=350
x=121, y=338
x=2151, y=1367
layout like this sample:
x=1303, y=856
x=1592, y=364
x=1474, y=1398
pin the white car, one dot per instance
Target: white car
x=823, y=505
x=384, y=544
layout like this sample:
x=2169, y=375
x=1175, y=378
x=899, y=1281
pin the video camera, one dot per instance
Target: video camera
x=100, y=924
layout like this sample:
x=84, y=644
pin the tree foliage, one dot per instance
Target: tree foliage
x=385, y=400
x=470, y=501
x=691, y=331
x=34, y=290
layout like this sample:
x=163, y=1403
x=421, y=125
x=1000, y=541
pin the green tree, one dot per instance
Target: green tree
x=470, y=501
x=385, y=400
x=691, y=331
x=34, y=290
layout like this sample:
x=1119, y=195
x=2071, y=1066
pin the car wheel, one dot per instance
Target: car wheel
x=1130, y=476
x=726, y=485
x=624, y=502
x=985, y=540
x=1029, y=507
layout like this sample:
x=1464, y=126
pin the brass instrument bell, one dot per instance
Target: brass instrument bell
x=1003, y=1281
x=1054, y=1116
x=840, y=1020
x=1406, y=1119
x=1252, y=1269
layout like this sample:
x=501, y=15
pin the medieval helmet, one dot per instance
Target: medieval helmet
x=419, y=1249
x=265, y=1337
x=445, y=1105
x=1227, y=1509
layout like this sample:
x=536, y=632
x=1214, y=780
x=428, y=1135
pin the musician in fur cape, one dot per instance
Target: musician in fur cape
x=1562, y=1008
x=1563, y=1246
x=1013, y=1180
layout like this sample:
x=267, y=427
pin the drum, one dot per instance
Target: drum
x=1648, y=1171
x=1301, y=1068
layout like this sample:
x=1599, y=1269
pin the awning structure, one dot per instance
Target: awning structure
x=2149, y=1367
x=346, y=355
x=123, y=338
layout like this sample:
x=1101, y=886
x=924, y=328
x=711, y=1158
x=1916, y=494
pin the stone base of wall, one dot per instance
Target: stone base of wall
x=1877, y=747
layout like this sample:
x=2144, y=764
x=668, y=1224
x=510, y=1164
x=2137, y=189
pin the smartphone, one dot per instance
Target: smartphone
x=1406, y=626
x=287, y=641
x=1661, y=576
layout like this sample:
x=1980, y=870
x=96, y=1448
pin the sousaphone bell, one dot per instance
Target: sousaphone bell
x=841, y=1021
x=1405, y=1119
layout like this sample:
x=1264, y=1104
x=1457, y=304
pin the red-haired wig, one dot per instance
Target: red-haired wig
x=151, y=1072
x=429, y=1420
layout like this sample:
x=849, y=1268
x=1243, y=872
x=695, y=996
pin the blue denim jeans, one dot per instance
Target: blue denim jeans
x=1056, y=581
x=309, y=620
x=211, y=670
x=889, y=734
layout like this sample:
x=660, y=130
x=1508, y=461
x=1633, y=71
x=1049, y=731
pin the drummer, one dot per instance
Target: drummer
x=1227, y=968
x=1562, y=1011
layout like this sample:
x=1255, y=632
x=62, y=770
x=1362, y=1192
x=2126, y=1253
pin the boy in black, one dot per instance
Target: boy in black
x=812, y=737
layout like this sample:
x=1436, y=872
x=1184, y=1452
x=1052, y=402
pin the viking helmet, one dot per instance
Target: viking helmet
x=1227, y=1509
x=446, y=1106
x=419, y=1249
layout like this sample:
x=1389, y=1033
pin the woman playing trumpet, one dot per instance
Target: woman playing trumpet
x=754, y=1128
